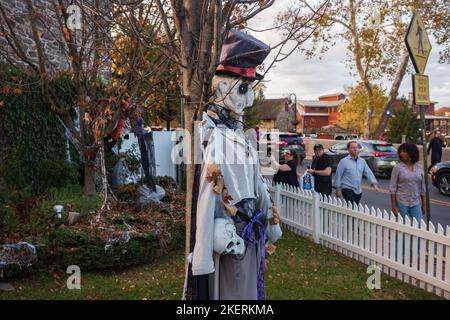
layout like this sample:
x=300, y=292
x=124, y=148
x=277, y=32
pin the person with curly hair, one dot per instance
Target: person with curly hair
x=407, y=186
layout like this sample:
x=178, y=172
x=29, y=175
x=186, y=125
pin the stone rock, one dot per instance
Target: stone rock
x=145, y=196
x=74, y=217
x=6, y=287
x=22, y=254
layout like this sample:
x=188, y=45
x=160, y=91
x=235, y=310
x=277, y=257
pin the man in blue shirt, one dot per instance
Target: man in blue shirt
x=349, y=174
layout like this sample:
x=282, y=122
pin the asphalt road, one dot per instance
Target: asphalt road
x=439, y=204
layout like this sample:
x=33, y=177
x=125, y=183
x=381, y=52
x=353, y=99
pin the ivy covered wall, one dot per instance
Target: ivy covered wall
x=31, y=136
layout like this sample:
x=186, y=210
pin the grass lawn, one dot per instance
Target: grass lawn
x=300, y=269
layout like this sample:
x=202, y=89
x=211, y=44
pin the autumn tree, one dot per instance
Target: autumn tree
x=373, y=33
x=159, y=93
x=86, y=37
x=362, y=112
x=163, y=106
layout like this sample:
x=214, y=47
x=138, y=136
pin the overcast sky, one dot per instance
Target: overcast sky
x=309, y=79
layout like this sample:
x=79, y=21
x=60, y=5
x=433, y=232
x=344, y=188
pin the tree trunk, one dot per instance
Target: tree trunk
x=189, y=118
x=366, y=131
x=89, y=180
x=393, y=94
x=362, y=72
x=358, y=51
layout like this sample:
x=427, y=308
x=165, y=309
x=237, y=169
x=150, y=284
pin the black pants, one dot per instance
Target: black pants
x=325, y=190
x=350, y=196
x=435, y=159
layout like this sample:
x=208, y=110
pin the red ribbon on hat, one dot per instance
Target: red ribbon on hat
x=245, y=72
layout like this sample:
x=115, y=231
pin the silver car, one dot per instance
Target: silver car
x=381, y=156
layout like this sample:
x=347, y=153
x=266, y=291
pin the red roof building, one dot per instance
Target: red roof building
x=443, y=112
x=319, y=113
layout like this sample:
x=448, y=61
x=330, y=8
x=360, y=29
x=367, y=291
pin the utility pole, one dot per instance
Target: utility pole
x=295, y=107
x=425, y=161
x=419, y=48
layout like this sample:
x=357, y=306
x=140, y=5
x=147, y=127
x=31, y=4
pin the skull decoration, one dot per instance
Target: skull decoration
x=232, y=93
x=226, y=240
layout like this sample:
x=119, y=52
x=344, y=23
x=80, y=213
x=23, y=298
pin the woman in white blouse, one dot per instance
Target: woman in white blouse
x=407, y=184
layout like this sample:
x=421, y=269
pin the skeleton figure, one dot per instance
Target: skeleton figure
x=233, y=94
x=233, y=202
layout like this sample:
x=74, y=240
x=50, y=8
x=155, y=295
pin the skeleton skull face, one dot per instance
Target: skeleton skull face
x=226, y=240
x=234, y=94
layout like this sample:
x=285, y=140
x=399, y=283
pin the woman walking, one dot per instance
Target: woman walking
x=286, y=173
x=407, y=184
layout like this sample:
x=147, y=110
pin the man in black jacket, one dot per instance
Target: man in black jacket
x=321, y=168
x=435, y=147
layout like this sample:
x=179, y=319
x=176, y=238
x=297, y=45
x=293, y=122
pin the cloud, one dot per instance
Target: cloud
x=309, y=79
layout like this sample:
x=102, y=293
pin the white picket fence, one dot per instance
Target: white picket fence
x=401, y=248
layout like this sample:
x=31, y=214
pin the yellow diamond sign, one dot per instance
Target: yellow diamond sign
x=418, y=44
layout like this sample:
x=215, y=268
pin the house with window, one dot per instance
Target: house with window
x=308, y=116
x=277, y=114
x=322, y=112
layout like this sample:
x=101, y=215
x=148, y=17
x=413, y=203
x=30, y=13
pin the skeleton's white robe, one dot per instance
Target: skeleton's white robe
x=240, y=168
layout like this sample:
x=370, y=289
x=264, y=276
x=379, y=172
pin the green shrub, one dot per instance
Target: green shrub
x=71, y=197
x=82, y=247
x=8, y=219
x=56, y=174
x=81, y=244
x=13, y=190
x=13, y=185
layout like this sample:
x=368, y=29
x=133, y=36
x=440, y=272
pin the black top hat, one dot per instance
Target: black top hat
x=241, y=54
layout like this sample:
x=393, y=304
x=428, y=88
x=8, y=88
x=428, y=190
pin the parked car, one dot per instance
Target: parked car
x=440, y=176
x=381, y=156
x=273, y=142
x=346, y=137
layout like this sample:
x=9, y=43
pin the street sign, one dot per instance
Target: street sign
x=421, y=90
x=418, y=43
x=419, y=48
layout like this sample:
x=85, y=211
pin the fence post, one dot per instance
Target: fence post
x=316, y=217
x=278, y=197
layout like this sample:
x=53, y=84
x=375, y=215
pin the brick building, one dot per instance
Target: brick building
x=308, y=116
x=322, y=112
x=443, y=112
x=429, y=110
